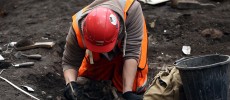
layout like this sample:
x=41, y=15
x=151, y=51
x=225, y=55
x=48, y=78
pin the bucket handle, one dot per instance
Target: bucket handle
x=181, y=59
x=185, y=58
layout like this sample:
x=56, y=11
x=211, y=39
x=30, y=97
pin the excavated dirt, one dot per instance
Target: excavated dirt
x=49, y=20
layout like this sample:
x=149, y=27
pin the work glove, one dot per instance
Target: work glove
x=131, y=96
x=68, y=93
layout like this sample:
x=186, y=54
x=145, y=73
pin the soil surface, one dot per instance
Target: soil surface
x=205, y=30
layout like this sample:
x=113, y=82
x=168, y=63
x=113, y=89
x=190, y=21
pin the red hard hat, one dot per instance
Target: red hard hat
x=101, y=28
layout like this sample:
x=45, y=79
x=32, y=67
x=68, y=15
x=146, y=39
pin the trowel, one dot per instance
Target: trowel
x=26, y=44
x=25, y=64
x=19, y=54
x=4, y=65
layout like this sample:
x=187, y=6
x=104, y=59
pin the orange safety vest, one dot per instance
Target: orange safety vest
x=144, y=44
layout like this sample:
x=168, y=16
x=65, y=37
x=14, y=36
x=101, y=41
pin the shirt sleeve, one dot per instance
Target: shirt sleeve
x=73, y=53
x=134, y=27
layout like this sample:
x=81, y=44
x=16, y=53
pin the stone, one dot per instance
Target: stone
x=212, y=33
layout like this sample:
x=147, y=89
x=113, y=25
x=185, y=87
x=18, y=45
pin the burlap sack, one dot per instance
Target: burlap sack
x=165, y=86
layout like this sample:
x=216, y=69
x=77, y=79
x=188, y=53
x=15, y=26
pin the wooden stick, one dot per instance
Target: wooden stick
x=18, y=88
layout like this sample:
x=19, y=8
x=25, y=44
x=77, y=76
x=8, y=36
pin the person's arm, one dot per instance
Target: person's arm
x=129, y=73
x=72, y=57
x=134, y=28
x=70, y=75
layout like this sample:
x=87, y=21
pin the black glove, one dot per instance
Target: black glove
x=131, y=96
x=68, y=93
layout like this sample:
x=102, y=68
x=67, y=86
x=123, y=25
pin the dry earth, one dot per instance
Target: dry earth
x=49, y=20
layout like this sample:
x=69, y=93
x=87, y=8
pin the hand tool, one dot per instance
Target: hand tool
x=4, y=65
x=33, y=56
x=26, y=44
x=26, y=64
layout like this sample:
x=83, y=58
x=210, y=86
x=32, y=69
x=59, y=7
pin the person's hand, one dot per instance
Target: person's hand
x=71, y=93
x=131, y=96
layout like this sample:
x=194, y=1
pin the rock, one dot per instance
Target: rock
x=43, y=93
x=30, y=21
x=212, y=33
x=152, y=24
x=160, y=58
x=49, y=97
x=3, y=13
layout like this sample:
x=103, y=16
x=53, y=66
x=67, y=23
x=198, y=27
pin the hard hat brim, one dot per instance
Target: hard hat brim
x=100, y=48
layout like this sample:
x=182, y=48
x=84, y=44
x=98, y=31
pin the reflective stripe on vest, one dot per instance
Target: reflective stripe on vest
x=127, y=6
x=75, y=24
x=144, y=48
x=77, y=32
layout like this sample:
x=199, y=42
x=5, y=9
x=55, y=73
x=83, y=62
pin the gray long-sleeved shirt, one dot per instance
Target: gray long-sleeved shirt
x=73, y=54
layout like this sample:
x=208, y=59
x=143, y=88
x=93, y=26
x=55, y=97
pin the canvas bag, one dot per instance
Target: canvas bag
x=167, y=85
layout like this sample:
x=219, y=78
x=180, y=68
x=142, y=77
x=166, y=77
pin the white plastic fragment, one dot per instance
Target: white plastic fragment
x=12, y=44
x=43, y=93
x=1, y=58
x=186, y=50
x=29, y=89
